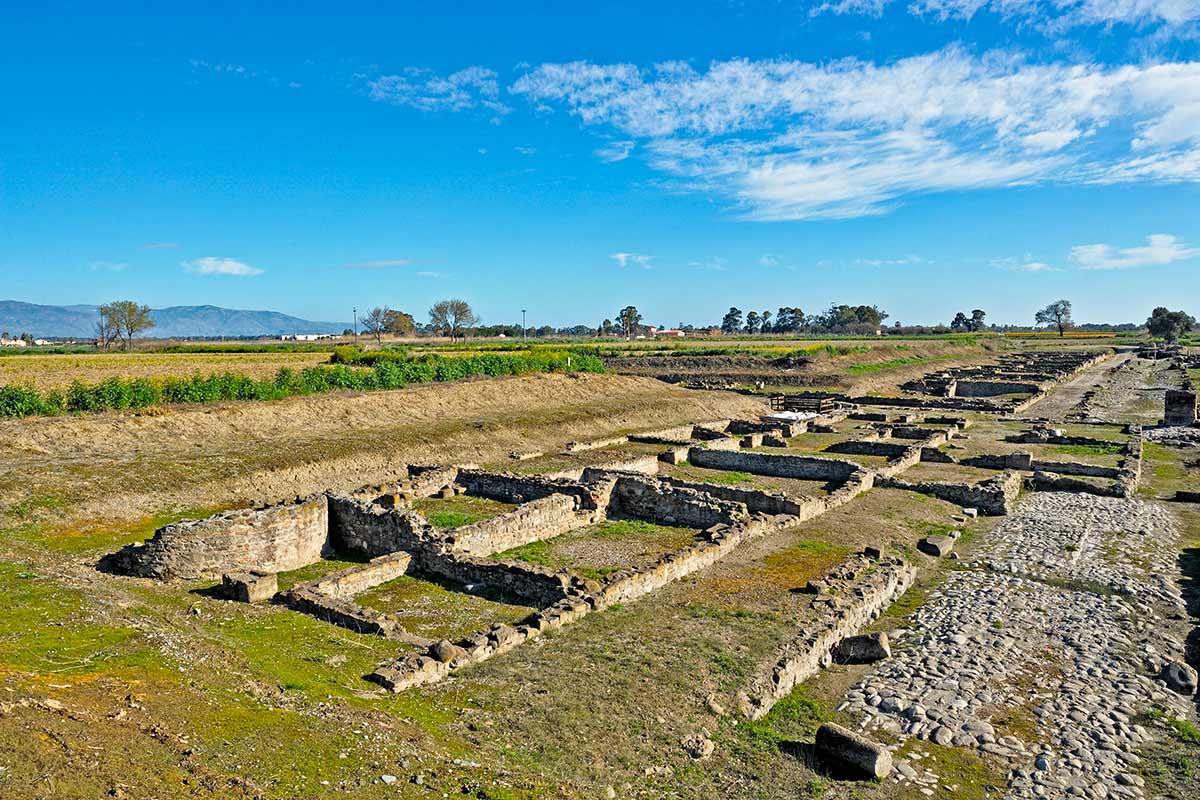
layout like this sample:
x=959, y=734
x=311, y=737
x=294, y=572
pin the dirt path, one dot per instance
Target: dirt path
x=1065, y=398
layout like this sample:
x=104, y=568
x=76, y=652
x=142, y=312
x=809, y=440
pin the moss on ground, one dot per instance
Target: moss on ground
x=454, y=512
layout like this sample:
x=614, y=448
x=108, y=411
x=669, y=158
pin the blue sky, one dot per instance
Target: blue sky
x=923, y=155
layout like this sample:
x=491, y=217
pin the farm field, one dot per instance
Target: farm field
x=59, y=371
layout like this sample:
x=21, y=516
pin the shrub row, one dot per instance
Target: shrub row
x=127, y=393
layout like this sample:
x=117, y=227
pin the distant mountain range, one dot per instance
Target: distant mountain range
x=169, y=323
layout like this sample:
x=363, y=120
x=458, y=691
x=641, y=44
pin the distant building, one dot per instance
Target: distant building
x=12, y=343
x=42, y=342
x=306, y=337
x=672, y=334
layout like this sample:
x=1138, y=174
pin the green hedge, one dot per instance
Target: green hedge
x=387, y=373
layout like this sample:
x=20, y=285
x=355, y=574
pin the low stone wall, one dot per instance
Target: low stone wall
x=1051, y=482
x=424, y=479
x=860, y=447
x=671, y=504
x=353, y=580
x=641, y=465
x=579, y=447
x=342, y=613
x=510, y=488
x=780, y=466
x=531, y=583
x=969, y=388
x=864, y=588
x=368, y=529
x=272, y=539
x=539, y=519
x=1075, y=468
x=993, y=496
x=755, y=501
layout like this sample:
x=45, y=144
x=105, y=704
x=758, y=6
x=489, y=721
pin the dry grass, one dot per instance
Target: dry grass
x=58, y=371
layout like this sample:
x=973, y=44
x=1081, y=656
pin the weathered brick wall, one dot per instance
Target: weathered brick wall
x=272, y=539
x=540, y=519
x=781, y=466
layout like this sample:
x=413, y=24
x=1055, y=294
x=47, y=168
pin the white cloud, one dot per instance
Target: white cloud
x=631, y=259
x=211, y=265
x=888, y=262
x=108, y=266
x=1026, y=264
x=1050, y=15
x=1160, y=249
x=711, y=265
x=616, y=151
x=423, y=89
x=768, y=260
x=789, y=140
x=526, y=150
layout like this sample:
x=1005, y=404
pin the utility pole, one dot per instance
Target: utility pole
x=524, y=336
x=356, y=326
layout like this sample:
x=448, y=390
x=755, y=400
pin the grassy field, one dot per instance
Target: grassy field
x=58, y=371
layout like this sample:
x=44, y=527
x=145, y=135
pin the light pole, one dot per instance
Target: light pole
x=524, y=335
x=356, y=326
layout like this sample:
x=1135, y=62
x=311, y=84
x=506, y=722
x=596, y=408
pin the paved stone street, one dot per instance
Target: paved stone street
x=1041, y=653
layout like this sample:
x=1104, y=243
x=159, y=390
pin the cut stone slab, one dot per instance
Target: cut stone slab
x=854, y=754
x=936, y=546
x=863, y=649
x=249, y=587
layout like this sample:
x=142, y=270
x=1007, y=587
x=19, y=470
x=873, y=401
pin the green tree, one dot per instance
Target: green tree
x=1057, y=314
x=398, y=323
x=753, y=322
x=732, y=321
x=960, y=322
x=127, y=318
x=373, y=323
x=977, y=319
x=629, y=319
x=1169, y=325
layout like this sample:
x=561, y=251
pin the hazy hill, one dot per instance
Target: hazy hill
x=175, y=321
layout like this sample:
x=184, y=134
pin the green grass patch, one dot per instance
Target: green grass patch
x=1085, y=450
x=454, y=512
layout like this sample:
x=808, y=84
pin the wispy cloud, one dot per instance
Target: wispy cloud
x=768, y=260
x=427, y=274
x=473, y=87
x=385, y=263
x=1025, y=264
x=525, y=150
x=631, y=259
x=792, y=140
x=108, y=266
x=711, y=265
x=888, y=262
x=1160, y=249
x=1048, y=15
x=212, y=265
x=160, y=246
x=616, y=151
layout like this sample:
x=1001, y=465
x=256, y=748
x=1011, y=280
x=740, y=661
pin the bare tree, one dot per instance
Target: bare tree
x=1057, y=314
x=106, y=329
x=452, y=317
x=374, y=322
x=127, y=318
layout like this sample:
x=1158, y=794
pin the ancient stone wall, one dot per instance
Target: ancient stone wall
x=272, y=539
x=509, y=488
x=1179, y=408
x=539, y=519
x=531, y=583
x=801, y=467
x=984, y=388
x=865, y=589
x=370, y=530
x=670, y=504
x=353, y=580
x=993, y=496
x=755, y=501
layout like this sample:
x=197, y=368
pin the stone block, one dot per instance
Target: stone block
x=862, y=649
x=856, y=755
x=1180, y=678
x=936, y=546
x=1179, y=408
x=249, y=587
